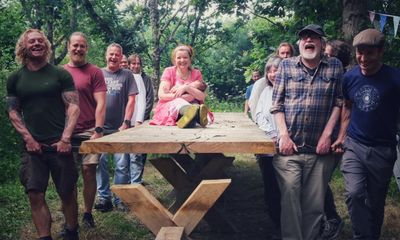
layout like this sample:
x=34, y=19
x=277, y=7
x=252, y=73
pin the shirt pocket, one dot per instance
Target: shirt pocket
x=296, y=87
x=325, y=85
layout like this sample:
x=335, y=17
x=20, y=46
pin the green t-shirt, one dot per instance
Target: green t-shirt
x=39, y=93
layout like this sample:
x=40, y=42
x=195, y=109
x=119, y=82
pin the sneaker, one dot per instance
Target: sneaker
x=332, y=228
x=88, y=220
x=203, y=112
x=121, y=207
x=103, y=205
x=189, y=115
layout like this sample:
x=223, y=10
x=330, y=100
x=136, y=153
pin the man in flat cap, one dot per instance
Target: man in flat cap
x=368, y=133
x=306, y=102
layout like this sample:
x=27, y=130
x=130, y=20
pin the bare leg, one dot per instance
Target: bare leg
x=89, y=186
x=40, y=213
x=70, y=209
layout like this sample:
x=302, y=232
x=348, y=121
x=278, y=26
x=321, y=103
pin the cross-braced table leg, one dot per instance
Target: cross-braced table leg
x=184, y=173
x=152, y=214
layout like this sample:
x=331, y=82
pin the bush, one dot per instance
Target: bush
x=10, y=141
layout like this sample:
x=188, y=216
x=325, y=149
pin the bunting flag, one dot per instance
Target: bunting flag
x=395, y=24
x=383, y=20
x=371, y=16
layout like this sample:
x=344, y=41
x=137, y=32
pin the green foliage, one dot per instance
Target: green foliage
x=10, y=141
x=14, y=210
x=231, y=104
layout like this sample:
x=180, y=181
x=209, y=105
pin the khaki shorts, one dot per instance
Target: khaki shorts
x=85, y=159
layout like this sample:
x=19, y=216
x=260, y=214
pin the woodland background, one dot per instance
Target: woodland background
x=231, y=38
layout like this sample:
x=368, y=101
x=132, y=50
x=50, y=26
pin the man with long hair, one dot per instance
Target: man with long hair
x=43, y=106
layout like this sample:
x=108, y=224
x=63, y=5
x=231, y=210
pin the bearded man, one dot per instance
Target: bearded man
x=91, y=86
x=307, y=101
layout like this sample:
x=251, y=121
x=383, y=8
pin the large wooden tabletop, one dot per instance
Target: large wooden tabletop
x=230, y=133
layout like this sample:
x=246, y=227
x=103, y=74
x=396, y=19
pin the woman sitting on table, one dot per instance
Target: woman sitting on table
x=181, y=93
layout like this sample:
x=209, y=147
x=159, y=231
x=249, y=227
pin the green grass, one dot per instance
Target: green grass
x=14, y=210
x=16, y=221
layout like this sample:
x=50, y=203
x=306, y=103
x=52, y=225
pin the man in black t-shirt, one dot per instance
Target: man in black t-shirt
x=43, y=106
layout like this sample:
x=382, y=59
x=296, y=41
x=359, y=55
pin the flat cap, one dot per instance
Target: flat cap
x=312, y=28
x=369, y=37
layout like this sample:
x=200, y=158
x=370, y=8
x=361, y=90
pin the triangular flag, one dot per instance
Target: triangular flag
x=372, y=16
x=395, y=24
x=382, y=21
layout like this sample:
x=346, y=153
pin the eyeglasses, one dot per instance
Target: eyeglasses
x=309, y=35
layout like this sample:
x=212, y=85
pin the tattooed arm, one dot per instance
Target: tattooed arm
x=71, y=101
x=14, y=113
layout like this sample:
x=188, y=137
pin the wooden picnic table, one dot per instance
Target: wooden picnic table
x=194, y=167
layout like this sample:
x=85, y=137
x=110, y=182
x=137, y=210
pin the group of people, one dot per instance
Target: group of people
x=314, y=112
x=318, y=114
x=56, y=108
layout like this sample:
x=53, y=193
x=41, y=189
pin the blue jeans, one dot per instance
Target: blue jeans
x=121, y=175
x=136, y=166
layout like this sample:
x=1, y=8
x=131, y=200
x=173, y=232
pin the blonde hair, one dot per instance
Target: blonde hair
x=21, y=52
x=285, y=44
x=182, y=47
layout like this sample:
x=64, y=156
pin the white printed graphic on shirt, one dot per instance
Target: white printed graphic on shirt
x=367, y=98
x=113, y=85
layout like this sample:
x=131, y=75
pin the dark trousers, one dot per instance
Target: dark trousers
x=367, y=172
x=329, y=206
x=272, y=194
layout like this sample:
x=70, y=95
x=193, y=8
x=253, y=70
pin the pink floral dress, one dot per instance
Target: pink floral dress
x=166, y=112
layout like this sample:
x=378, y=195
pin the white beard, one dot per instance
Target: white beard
x=309, y=55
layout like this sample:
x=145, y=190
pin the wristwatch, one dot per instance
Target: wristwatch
x=127, y=122
x=99, y=130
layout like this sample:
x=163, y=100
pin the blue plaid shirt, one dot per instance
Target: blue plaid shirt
x=307, y=100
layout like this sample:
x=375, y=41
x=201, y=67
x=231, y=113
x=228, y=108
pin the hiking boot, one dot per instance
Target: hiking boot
x=188, y=117
x=71, y=234
x=103, y=205
x=121, y=207
x=203, y=118
x=88, y=220
x=332, y=228
x=67, y=234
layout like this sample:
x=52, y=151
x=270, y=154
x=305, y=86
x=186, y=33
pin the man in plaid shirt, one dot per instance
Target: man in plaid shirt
x=307, y=101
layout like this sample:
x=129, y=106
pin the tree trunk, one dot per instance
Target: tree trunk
x=156, y=56
x=355, y=18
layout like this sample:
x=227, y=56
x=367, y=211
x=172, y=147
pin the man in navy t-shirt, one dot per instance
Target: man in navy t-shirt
x=368, y=132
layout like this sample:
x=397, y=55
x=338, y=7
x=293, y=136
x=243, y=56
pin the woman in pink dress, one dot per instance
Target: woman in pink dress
x=181, y=93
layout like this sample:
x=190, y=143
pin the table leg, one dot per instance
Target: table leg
x=185, y=178
x=146, y=207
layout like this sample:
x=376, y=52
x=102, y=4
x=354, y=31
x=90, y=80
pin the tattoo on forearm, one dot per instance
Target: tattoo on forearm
x=13, y=104
x=71, y=97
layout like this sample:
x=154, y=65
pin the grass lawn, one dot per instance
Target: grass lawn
x=242, y=203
